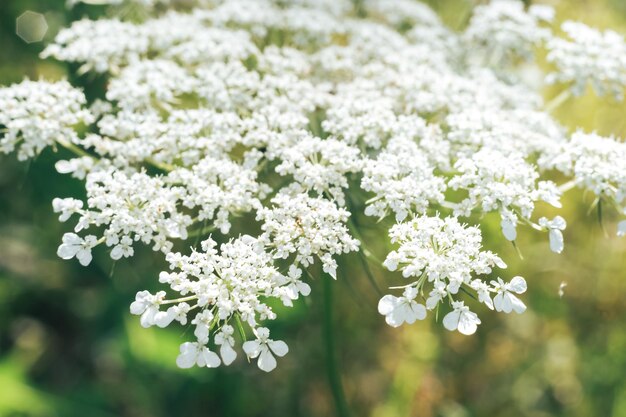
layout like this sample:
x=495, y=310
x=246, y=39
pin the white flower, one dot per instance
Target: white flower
x=263, y=347
x=37, y=114
x=67, y=207
x=203, y=322
x=503, y=31
x=177, y=312
x=442, y=252
x=589, y=56
x=461, y=319
x=320, y=165
x=398, y=310
x=438, y=293
x=147, y=305
x=307, y=227
x=208, y=123
x=402, y=180
x=231, y=284
x=194, y=353
x=596, y=163
x=296, y=286
x=75, y=246
x=225, y=340
x=483, y=291
x=498, y=181
x=78, y=167
x=505, y=300
x=555, y=228
x=123, y=249
x=509, y=228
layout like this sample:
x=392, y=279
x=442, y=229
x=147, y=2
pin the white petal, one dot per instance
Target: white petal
x=330, y=270
x=188, y=355
x=137, y=307
x=468, y=323
x=559, y=223
x=432, y=302
x=387, y=304
x=507, y=305
x=418, y=310
x=451, y=320
x=518, y=306
x=508, y=230
x=252, y=348
x=488, y=301
x=395, y=318
x=64, y=167
x=304, y=288
x=208, y=358
x=66, y=251
x=228, y=354
x=518, y=285
x=497, y=301
x=147, y=318
x=403, y=313
x=201, y=331
x=117, y=252
x=164, y=318
x=556, y=240
x=266, y=361
x=84, y=256
x=72, y=239
x=279, y=347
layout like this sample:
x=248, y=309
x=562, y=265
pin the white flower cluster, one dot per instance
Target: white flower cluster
x=320, y=165
x=597, y=164
x=503, y=31
x=307, y=227
x=34, y=115
x=403, y=181
x=282, y=119
x=589, y=57
x=445, y=256
x=503, y=183
x=129, y=208
x=220, y=291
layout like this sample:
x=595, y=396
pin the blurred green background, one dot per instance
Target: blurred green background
x=69, y=347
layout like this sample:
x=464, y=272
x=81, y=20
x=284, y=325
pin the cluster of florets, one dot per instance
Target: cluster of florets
x=283, y=119
x=442, y=256
x=589, y=57
x=36, y=115
x=220, y=291
x=307, y=227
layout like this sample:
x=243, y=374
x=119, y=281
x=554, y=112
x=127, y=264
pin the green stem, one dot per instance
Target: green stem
x=334, y=379
x=73, y=148
x=557, y=101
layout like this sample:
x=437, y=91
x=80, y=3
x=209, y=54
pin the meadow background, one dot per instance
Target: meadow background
x=69, y=347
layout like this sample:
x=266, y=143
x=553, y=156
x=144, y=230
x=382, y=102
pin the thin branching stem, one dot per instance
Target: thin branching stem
x=334, y=378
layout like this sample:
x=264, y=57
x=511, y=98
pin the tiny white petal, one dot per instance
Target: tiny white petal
x=252, y=348
x=228, y=354
x=387, y=304
x=279, y=347
x=468, y=323
x=266, y=361
x=518, y=285
x=451, y=320
x=556, y=240
x=208, y=358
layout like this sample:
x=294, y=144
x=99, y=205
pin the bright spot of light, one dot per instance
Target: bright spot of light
x=31, y=26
